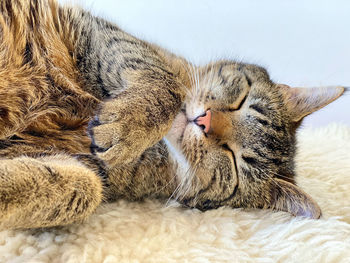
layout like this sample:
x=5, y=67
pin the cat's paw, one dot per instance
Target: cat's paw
x=114, y=137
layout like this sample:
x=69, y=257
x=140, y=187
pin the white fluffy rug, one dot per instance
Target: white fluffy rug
x=150, y=232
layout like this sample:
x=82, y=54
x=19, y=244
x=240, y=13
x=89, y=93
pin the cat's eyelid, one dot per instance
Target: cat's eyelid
x=239, y=105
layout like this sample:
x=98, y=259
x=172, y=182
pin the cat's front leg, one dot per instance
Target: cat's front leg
x=48, y=191
x=137, y=118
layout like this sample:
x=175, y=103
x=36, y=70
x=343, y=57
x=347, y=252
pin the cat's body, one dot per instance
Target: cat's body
x=157, y=126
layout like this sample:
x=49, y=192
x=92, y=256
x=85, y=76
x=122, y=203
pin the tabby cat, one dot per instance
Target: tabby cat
x=90, y=114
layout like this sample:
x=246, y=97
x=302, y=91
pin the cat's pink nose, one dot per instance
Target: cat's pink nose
x=204, y=121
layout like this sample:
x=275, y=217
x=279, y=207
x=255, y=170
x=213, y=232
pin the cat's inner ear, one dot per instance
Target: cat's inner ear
x=290, y=198
x=304, y=101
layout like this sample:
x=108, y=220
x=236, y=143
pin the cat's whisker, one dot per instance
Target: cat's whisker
x=191, y=174
x=166, y=185
x=277, y=174
x=172, y=195
x=188, y=67
x=197, y=82
x=193, y=88
x=268, y=175
x=183, y=186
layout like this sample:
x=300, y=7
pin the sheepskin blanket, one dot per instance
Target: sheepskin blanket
x=153, y=232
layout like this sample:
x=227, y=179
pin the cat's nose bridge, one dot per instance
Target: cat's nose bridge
x=220, y=124
x=215, y=123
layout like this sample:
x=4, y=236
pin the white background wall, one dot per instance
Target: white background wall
x=301, y=43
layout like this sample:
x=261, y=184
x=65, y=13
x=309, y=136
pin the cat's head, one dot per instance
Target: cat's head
x=236, y=132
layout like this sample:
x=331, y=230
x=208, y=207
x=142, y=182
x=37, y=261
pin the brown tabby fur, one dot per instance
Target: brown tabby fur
x=62, y=68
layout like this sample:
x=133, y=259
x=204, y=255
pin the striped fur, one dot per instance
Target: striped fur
x=89, y=113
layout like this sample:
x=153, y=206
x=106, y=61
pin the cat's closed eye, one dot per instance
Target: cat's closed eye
x=239, y=105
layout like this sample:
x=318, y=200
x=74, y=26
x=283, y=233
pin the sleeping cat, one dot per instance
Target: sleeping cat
x=89, y=114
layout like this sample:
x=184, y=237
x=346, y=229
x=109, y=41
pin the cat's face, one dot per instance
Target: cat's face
x=237, y=133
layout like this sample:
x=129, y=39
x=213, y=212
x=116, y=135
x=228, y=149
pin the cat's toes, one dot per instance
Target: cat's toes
x=98, y=136
x=117, y=154
x=110, y=142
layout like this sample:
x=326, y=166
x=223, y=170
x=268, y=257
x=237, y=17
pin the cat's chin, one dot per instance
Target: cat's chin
x=177, y=129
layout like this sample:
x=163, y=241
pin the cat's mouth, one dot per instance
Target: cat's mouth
x=179, y=126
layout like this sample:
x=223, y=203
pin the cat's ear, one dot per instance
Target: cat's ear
x=304, y=101
x=290, y=198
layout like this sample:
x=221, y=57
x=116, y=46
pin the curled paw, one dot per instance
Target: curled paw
x=115, y=142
